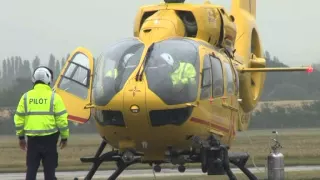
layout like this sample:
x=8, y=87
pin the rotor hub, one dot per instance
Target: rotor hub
x=174, y=1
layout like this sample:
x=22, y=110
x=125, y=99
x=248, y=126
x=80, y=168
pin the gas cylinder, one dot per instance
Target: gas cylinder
x=276, y=161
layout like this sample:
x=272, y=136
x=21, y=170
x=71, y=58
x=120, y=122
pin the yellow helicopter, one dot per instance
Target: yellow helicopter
x=177, y=92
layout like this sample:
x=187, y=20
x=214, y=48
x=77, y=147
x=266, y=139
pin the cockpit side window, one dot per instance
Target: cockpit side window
x=230, y=85
x=75, y=79
x=217, y=77
x=206, y=82
x=114, y=67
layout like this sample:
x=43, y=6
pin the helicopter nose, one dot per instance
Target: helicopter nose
x=134, y=112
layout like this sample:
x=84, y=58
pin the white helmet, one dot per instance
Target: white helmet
x=168, y=58
x=42, y=74
x=126, y=58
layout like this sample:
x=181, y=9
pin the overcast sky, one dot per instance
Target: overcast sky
x=289, y=28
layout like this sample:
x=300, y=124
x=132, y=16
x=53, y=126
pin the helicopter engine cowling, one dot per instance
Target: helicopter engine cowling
x=161, y=25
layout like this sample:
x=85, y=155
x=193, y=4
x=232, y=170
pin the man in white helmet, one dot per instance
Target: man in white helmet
x=182, y=74
x=41, y=116
x=114, y=72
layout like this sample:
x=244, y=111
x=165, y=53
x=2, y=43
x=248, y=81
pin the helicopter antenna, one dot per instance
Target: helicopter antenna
x=239, y=37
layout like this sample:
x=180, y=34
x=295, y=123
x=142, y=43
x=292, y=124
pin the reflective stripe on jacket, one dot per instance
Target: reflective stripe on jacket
x=41, y=112
x=184, y=73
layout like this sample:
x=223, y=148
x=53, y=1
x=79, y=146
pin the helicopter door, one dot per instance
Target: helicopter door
x=206, y=88
x=231, y=100
x=74, y=85
x=219, y=112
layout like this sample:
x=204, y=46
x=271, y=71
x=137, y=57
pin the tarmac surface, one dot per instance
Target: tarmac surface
x=142, y=173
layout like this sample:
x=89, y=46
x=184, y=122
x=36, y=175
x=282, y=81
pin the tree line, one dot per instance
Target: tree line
x=290, y=85
x=15, y=79
x=270, y=116
x=15, y=76
x=14, y=68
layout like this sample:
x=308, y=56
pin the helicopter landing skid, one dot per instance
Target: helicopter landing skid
x=240, y=160
x=97, y=160
x=215, y=160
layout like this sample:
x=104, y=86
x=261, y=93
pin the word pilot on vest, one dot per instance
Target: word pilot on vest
x=38, y=101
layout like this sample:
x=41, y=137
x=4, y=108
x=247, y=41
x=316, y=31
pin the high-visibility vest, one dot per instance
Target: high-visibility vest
x=41, y=112
x=112, y=73
x=183, y=74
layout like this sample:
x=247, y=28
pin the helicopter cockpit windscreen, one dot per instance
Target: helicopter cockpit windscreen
x=172, y=70
x=113, y=68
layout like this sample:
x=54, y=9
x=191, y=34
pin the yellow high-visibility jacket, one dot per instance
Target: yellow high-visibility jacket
x=185, y=73
x=112, y=73
x=41, y=112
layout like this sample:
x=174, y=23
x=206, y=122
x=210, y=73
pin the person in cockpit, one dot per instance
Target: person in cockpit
x=108, y=85
x=114, y=73
x=183, y=73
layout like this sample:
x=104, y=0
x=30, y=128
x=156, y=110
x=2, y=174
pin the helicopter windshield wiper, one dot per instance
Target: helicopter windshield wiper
x=145, y=60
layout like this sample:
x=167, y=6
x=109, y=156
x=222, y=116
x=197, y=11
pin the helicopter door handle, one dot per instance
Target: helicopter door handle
x=229, y=107
x=191, y=105
x=89, y=106
x=226, y=105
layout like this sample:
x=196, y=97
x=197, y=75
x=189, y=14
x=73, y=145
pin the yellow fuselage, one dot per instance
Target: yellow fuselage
x=209, y=115
x=218, y=115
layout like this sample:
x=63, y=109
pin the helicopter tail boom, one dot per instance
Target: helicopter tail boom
x=247, y=5
x=249, y=52
x=307, y=69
